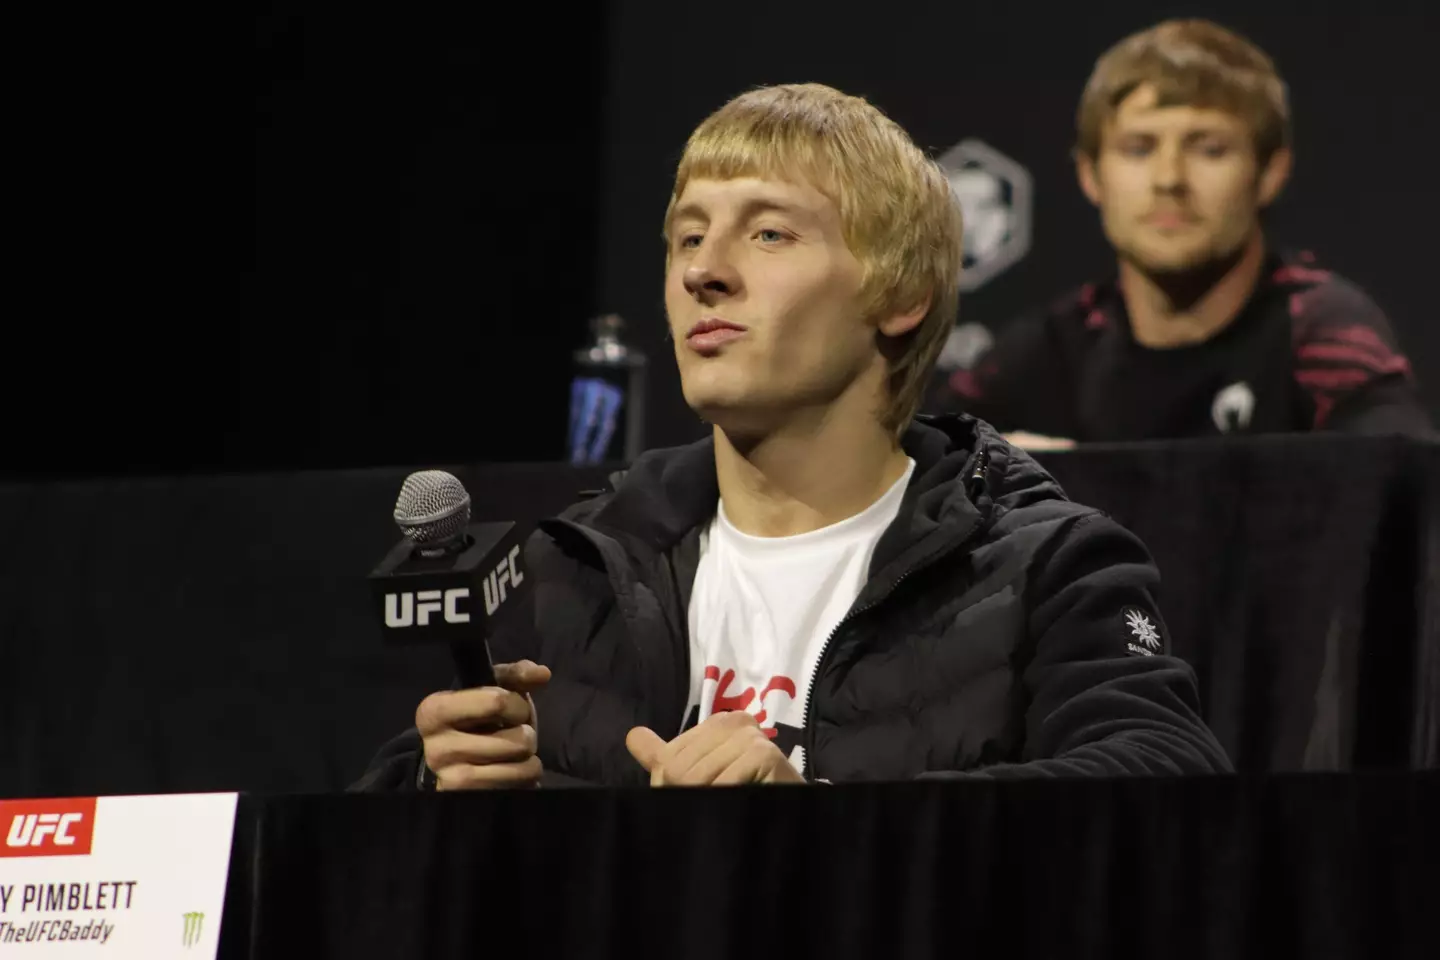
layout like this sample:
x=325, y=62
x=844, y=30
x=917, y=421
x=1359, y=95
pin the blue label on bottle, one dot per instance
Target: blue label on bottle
x=595, y=406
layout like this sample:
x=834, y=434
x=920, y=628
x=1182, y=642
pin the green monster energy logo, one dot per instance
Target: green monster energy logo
x=193, y=922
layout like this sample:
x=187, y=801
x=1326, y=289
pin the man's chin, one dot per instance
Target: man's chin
x=717, y=410
x=1171, y=262
x=736, y=415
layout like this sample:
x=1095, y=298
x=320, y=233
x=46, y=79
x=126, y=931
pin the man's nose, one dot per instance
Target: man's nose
x=711, y=271
x=1168, y=170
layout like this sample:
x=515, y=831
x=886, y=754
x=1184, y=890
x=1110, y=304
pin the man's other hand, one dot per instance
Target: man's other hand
x=727, y=749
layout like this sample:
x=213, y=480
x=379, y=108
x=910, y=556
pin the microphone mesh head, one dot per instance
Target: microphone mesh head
x=433, y=508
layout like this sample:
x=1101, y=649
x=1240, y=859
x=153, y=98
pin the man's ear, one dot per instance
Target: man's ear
x=1274, y=177
x=899, y=324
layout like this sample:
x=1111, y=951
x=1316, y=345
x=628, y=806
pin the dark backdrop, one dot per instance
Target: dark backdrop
x=1362, y=197
x=426, y=202
x=441, y=201
x=425, y=213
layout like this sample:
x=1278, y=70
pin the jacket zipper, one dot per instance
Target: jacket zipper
x=976, y=478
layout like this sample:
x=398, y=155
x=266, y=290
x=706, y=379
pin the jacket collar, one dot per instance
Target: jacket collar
x=669, y=492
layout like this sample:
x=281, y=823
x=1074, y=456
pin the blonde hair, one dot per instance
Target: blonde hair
x=1193, y=63
x=899, y=215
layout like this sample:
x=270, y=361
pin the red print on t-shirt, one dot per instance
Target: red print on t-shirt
x=724, y=702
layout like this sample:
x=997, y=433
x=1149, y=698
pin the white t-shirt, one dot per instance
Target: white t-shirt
x=762, y=608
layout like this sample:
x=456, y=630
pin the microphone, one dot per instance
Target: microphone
x=448, y=580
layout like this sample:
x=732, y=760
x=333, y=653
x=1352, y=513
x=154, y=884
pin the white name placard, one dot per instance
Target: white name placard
x=140, y=877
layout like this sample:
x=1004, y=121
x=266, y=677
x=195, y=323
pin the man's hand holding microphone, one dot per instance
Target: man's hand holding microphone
x=484, y=737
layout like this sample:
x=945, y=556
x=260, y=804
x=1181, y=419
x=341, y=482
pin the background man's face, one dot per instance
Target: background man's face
x=1178, y=187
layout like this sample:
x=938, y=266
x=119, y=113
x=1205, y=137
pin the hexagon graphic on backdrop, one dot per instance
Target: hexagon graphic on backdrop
x=995, y=194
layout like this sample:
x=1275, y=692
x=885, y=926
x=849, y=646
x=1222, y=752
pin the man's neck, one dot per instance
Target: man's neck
x=1183, y=310
x=807, y=475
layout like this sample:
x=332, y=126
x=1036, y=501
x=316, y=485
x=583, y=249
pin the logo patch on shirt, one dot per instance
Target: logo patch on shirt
x=1145, y=635
x=1233, y=407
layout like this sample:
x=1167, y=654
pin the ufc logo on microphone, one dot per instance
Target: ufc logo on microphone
x=507, y=572
x=47, y=828
x=415, y=609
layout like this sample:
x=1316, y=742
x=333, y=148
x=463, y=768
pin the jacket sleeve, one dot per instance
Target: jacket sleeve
x=1105, y=698
x=394, y=768
x=399, y=763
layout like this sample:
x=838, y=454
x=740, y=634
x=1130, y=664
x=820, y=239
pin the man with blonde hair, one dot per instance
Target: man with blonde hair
x=1183, y=142
x=825, y=590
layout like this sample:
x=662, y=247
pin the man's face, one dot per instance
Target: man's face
x=1178, y=187
x=762, y=295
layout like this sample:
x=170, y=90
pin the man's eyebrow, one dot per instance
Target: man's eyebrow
x=758, y=205
x=689, y=211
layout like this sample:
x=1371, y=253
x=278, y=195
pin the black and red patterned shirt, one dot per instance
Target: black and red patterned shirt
x=1308, y=351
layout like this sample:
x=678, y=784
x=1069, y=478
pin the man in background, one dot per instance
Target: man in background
x=1183, y=141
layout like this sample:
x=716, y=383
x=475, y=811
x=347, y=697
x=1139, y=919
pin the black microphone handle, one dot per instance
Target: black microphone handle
x=472, y=663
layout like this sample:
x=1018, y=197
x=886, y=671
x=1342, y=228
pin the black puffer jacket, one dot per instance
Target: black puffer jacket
x=1004, y=630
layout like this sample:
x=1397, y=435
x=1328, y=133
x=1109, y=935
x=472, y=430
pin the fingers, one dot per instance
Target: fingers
x=452, y=747
x=754, y=762
x=501, y=705
x=503, y=758
x=695, y=757
x=476, y=709
x=645, y=746
x=489, y=777
x=690, y=749
x=524, y=676
x=484, y=738
x=724, y=759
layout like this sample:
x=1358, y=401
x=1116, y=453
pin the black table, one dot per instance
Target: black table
x=1294, y=866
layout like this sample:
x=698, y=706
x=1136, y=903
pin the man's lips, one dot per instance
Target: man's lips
x=711, y=324
x=1171, y=219
x=710, y=334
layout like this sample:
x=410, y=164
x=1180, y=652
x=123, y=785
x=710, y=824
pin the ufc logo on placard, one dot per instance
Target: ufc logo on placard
x=506, y=573
x=47, y=828
x=415, y=609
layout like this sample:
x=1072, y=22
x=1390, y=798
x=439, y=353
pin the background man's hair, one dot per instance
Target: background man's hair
x=1192, y=63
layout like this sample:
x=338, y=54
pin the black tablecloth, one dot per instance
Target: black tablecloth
x=214, y=633
x=1293, y=866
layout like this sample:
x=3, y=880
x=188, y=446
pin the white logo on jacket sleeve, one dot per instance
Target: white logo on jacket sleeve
x=1142, y=628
